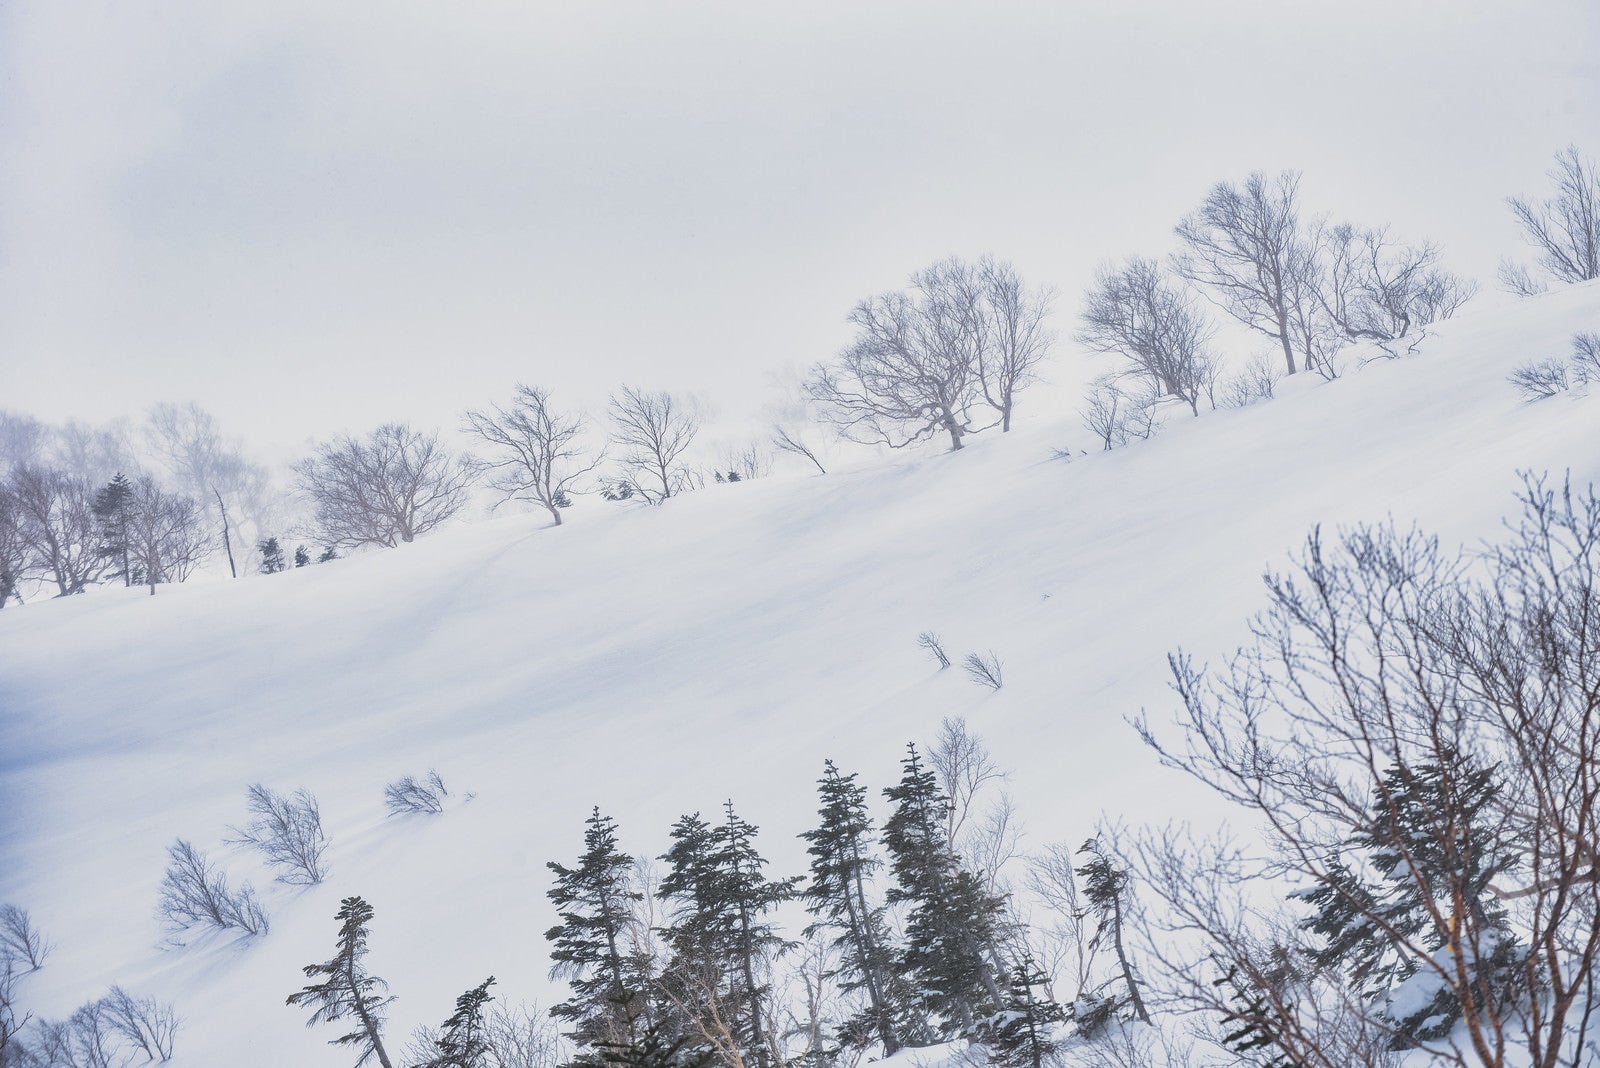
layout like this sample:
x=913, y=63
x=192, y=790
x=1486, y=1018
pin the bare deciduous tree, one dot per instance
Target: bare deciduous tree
x=16, y=557
x=1245, y=247
x=536, y=452
x=1134, y=312
x=1116, y=415
x=1015, y=339
x=56, y=513
x=1565, y=229
x=392, y=487
x=147, y=1025
x=193, y=893
x=20, y=940
x=1586, y=357
x=213, y=469
x=652, y=430
x=930, y=643
x=287, y=830
x=1538, y=379
x=166, y=537
x=983, y=669
x=913, y=370
x=1256, y=381
x=409, y=794
x=1375, y=288
x=1416, y=733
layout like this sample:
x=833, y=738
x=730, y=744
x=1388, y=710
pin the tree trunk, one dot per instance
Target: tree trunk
x=1122, y=960
x=1283, y=336
x=227, y=541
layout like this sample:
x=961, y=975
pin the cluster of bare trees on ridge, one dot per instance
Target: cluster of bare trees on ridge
x=946, y=357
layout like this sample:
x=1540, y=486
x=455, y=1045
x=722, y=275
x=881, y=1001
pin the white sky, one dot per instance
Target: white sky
x=319, y=216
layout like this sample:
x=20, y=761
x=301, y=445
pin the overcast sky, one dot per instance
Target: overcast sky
x=318, y=216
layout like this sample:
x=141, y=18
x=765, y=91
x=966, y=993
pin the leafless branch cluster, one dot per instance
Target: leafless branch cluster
x=390, y=487
x=409, y=794
x=1563, y=230
x=651, y=431
x=930, y=643
x=1117, y=415
x=20, y=941
x=195, y=894
x=536, y=451
x=1538, y=379
x=287, y=830
x=166, y=534
x=52, y=532
x=1372, y=287
x=1135, y=312
x=1406, y=730
x=983, y=669
x=212, y=469
x=109, y=1033
x=927, y=360
x=1254, y=382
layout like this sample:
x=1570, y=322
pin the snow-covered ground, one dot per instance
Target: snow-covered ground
x=658, y=661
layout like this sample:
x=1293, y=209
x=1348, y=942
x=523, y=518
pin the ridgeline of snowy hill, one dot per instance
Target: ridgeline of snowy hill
x=658, y=661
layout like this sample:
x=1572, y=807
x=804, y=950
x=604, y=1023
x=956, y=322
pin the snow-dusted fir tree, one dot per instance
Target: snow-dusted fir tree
x=843, y=858
x=272, y=560
x=720, y=936
x=953, y=923
x=346, y=990
x=113, y=506
x=596, y=901
x=462, y=1041
x=1022, y=1033
x=1431, y=838
x=1105, y=888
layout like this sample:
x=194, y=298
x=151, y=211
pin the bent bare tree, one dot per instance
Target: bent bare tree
x=391, y=487
x=1245, y=248
x=1415, y=732
x=1134, y=312
x=535, y=452
x=1564, y=230
x=651, y=430
x=1375, y=288
x=913, y=370
x=211, y=468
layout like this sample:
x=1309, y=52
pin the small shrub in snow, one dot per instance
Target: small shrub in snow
x=287, y=829
x=1253, y=384
x=407, y=794
x=20, y=940
x=984, y=669
x=1538, y=379
x=930, y=642
x=194, y=894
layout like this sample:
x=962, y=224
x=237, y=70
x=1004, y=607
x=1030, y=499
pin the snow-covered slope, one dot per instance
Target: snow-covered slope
x=658, y=661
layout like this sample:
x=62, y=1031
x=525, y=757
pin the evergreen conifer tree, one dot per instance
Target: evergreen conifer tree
x=330, y=553
x=346, y=990
x=596, y=901
x=1020, y=1034
x=1104, y=894
x=462, y=1042
x=271, y=557
x=651, y=1049
x=113, y=507
x=842, y=861
x=302, y=556
x=1429, y=839
x=720, y=938
x=953, y=922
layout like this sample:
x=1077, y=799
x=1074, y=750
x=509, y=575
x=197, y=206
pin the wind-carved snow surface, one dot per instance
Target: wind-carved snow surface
x=656, y=661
